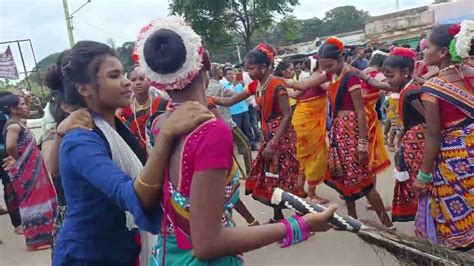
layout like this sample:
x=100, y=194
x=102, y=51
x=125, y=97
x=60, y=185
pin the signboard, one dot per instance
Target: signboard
x=7, y=65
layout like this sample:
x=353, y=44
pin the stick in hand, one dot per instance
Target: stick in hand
x=290, y=201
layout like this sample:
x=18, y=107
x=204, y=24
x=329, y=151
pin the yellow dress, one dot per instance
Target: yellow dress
x=309, y=121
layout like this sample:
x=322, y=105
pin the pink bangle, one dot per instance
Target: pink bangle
x=286, y=242
x=305, y=232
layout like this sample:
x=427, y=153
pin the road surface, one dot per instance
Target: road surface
x=330, y=248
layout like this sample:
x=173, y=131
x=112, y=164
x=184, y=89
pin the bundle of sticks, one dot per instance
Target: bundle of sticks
x=408, y=249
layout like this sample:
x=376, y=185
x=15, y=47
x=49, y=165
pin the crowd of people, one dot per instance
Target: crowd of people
x=139, y=168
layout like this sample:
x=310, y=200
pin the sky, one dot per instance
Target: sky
x=43, y=21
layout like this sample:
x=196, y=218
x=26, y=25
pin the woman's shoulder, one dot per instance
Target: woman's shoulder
x=214, y=128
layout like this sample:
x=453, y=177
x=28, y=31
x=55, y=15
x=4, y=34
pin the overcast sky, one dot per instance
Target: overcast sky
x=43, y=22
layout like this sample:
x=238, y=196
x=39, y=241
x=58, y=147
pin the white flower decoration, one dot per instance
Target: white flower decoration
x=464, y=38
x=194, y=53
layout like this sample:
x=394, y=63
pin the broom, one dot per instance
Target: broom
x=410, y=249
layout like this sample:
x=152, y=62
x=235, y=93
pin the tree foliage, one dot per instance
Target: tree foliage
x=124, y=53
x=220, y=20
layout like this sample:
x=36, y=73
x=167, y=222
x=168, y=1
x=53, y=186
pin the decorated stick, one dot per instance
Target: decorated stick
x=290, y=201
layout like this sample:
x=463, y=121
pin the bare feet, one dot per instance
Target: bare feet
x=3, y=211
x=318, y=200
x=18, y=230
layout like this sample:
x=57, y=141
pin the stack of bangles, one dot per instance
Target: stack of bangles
x=424, y=177
x=297, y=231
x=363, y=145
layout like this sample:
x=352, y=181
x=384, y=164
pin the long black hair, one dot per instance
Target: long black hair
x=329, y=50
x=399, y=62
x=282, y=66
x=440, y=36
x=54, y=81
x=8, y=100
x=257, y=57
x=77, y=66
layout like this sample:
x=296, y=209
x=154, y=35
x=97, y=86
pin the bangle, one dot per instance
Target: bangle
x=424, y=177
x=288, y=239
x=297, y=231
x=305, y=232
x=143, y=183
x=58, y=134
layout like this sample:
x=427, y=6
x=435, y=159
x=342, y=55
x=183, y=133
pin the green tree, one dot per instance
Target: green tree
x=124, y=53
x=217, y=19
x=43, y=65
x=345, y=19
x=287, y=31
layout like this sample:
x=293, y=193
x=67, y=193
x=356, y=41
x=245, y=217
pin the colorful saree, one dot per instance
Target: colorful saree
x=35, y=191
x=451, y=199
x=378, y=160
x=283, y=170
x=404, y=203
x=351, y=179
x=309, y=121
x=174, y=245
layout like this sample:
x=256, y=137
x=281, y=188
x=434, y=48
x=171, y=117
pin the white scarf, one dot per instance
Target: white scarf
x=125, y=158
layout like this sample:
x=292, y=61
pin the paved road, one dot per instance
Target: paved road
x=331, y=248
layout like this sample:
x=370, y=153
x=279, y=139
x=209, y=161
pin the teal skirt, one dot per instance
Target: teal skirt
x=176, y=256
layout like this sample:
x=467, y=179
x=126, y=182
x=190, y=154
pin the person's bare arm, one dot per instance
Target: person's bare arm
x=229, y=101
x=210, y=238
x=286, y=121
x=50, y=149
x=356, y=96
x=182, y=120
x=13, y=133
x=432, y=136
x=294, y=93
x=381, y=85
x=312, y=81
x=418, y=107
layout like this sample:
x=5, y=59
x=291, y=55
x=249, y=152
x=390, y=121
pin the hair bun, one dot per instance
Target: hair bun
x=170, y=53
x=53, y=78
x=164, y=51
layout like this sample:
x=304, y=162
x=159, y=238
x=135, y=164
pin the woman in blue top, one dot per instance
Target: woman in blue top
x=101, y=169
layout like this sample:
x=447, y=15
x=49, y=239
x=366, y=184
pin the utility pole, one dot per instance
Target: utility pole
x=397, y=5
x=68, y=17
x=68, y=23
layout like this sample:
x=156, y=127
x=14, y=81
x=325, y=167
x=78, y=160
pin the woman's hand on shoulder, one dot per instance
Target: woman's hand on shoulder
x=78, y=119
x=186, y=118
